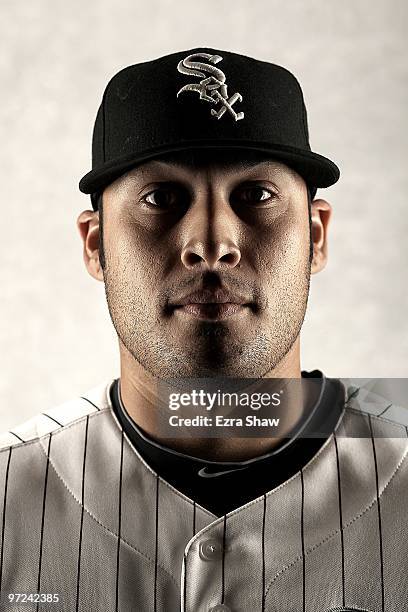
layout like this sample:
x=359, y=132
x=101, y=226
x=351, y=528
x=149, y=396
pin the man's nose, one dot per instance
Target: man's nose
x=211, y=238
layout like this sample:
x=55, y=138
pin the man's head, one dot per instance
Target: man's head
x=206, y=261
x=204, y=176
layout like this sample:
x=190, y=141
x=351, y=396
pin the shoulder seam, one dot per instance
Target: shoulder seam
x=378, y=417
x=62, y=427
x=103, y=388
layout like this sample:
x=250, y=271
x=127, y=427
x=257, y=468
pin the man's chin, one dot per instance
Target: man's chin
x=214, y=349
x=206, y=359
x=217, y=360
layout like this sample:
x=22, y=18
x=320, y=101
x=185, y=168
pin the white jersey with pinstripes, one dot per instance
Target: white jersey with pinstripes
x=83, y=516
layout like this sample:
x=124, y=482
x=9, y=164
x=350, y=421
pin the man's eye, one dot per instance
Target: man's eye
x=165, y=198
x=253, y=195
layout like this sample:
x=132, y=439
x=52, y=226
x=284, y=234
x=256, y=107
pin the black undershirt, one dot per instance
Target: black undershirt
x=242, y=481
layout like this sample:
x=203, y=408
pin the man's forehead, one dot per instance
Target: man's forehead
x=227, y=162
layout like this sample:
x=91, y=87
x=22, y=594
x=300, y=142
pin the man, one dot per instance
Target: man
x=205, y=232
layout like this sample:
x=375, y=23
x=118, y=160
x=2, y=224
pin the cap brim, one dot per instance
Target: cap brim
x=317, y=171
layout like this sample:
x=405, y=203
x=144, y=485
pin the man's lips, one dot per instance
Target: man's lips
x=211, y=305
x=214, y=311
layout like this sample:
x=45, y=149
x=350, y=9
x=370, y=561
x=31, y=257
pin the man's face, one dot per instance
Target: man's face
x=207, y=268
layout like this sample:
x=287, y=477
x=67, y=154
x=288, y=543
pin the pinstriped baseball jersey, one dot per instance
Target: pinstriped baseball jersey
x=83, y=516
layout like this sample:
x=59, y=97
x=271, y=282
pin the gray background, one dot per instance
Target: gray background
x=56, y=339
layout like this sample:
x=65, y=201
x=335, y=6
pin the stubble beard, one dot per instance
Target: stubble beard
x=211, y=350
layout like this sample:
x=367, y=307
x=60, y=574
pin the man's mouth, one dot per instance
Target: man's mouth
x=212, y=305
x=211, y=311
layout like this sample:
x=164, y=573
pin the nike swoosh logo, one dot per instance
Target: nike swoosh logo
x=203, y=472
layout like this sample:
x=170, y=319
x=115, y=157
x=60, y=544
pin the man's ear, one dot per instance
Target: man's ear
x=321, y=212
x=88, y=225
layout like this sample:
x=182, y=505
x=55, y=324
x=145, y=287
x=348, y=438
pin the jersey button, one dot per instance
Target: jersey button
x=220, y=608
x=210, y=550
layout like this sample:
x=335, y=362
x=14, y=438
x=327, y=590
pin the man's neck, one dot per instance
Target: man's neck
x=139, y=394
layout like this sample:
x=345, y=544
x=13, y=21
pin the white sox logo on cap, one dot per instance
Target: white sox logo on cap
x=212, y=88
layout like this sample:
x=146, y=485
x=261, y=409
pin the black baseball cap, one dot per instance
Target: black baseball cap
x=202, y=98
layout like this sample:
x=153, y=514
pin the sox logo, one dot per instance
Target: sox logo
x=212, y=88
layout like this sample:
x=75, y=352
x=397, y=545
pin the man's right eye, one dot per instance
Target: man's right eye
x=166, y=198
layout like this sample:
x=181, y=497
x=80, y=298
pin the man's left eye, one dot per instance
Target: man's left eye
x=253, y=195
